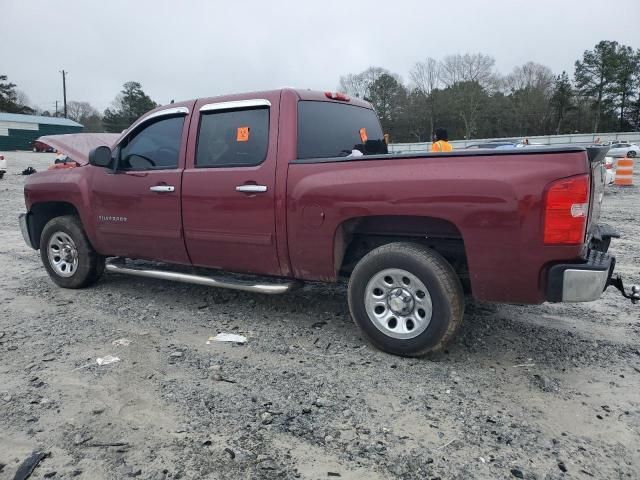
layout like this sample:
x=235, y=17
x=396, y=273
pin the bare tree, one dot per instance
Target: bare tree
x=426, y=75
x=353, y=84
x=22, y=98
x=470, y=67
x=77, y=111
x=426, y=78
x=530, y=75
x=359, y=84
x=531, y=87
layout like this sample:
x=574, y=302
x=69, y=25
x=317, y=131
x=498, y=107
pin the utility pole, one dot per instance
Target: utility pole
x=56, y=108
x=64, y=91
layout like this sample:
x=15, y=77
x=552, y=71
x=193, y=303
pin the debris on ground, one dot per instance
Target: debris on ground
x=121, y=342
x=29, y=171
x=107, y=360
x=27, y=467
x=227, y=337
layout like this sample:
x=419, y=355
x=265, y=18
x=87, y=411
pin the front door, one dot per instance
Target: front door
x=228, y=187
x=137, y=208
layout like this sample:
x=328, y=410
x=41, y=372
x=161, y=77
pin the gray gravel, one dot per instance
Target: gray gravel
x=549, y=391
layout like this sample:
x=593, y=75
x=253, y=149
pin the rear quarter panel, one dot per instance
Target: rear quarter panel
x=495, y=201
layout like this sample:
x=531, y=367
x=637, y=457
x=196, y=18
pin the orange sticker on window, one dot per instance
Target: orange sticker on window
x=243, y=134
x=363, y=135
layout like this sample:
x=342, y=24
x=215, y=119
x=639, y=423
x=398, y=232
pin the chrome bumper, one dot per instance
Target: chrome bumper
x=583, y=285
x=23, y=219
x=580, y=282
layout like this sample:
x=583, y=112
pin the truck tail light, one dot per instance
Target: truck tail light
x=566, y=208
x=337, y=96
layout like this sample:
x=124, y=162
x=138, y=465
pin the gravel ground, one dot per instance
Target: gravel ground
x=548, y=391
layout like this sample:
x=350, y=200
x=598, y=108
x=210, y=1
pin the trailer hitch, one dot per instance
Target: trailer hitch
x=634, y=296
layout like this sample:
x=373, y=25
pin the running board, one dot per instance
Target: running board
x=246, y=286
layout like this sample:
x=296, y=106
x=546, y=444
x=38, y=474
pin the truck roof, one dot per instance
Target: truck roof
x=302, y=94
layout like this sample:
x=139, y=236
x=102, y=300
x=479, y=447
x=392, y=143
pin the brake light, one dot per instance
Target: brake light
x=566, y=207
x=337, y=96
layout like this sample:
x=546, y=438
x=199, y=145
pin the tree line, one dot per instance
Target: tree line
x=129, y=104
x=463, y=93
x=467, y=96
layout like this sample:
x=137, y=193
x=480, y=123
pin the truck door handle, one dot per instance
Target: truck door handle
x=251, y=188
x=162, y=188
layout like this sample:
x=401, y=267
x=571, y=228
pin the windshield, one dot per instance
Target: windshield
x=329, y=129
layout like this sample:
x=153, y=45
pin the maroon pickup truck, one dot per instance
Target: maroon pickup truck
x=294, y=185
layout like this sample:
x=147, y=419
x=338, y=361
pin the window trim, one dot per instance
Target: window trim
x=151, y=116
x=239, y=106
x=236, y=105
x=176, y=112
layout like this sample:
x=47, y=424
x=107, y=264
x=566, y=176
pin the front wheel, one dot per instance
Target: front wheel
x=406, y=298
x=67, y=255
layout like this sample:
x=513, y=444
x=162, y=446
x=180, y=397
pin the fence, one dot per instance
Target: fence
x=577, y=138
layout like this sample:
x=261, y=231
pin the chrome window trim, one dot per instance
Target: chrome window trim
x=256, y=102
x=159, y=113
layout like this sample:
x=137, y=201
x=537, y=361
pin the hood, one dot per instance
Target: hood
x=78, y=145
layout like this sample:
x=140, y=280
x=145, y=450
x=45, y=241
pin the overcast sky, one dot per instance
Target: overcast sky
x=187, y=49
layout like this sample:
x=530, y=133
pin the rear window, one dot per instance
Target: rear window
x=238, y=138
x=327, y=129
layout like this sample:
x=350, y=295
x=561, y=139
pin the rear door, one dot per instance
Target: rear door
x=228, y=187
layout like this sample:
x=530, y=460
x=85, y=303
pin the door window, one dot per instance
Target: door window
x=238, y=138
x=155, y=147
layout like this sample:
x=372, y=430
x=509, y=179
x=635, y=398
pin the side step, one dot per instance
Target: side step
x=119, y=266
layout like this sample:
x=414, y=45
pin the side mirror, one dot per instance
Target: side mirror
x=100, y=157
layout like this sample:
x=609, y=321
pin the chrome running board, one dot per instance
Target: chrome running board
x=246, y=286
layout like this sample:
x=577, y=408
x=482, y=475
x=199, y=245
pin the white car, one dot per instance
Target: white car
x=623, y=149
x=3, y=165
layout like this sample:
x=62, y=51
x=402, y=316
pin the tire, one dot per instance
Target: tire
x=432, y=282
x=631, y=154
x=67, y=254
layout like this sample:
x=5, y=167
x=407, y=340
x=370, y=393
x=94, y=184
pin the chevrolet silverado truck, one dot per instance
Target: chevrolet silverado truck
x=294, y=185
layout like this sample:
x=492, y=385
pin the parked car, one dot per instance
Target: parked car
x=267, y=184
x=3, y=165
x=623, y=149
x=41, y=147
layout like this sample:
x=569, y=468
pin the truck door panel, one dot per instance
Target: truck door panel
x=228, y=189
x=136, y=210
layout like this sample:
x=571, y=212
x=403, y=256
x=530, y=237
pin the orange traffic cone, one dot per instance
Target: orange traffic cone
x=624, y=171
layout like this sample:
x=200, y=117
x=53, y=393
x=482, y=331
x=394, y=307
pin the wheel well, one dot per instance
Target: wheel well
x=41, y=213
x=358, y=236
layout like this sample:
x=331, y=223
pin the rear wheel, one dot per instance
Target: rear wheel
x=67, y=255
x=631, y=154
x=406, y=298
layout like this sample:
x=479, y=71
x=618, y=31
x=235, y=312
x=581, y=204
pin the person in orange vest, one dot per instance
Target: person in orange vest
x=441, y=141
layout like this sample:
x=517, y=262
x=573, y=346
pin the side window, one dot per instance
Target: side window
x=331, y=129
x=155, y=147
x=238, y=138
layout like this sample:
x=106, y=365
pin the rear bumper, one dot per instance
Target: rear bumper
x=580, y=282
x=25, y=228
